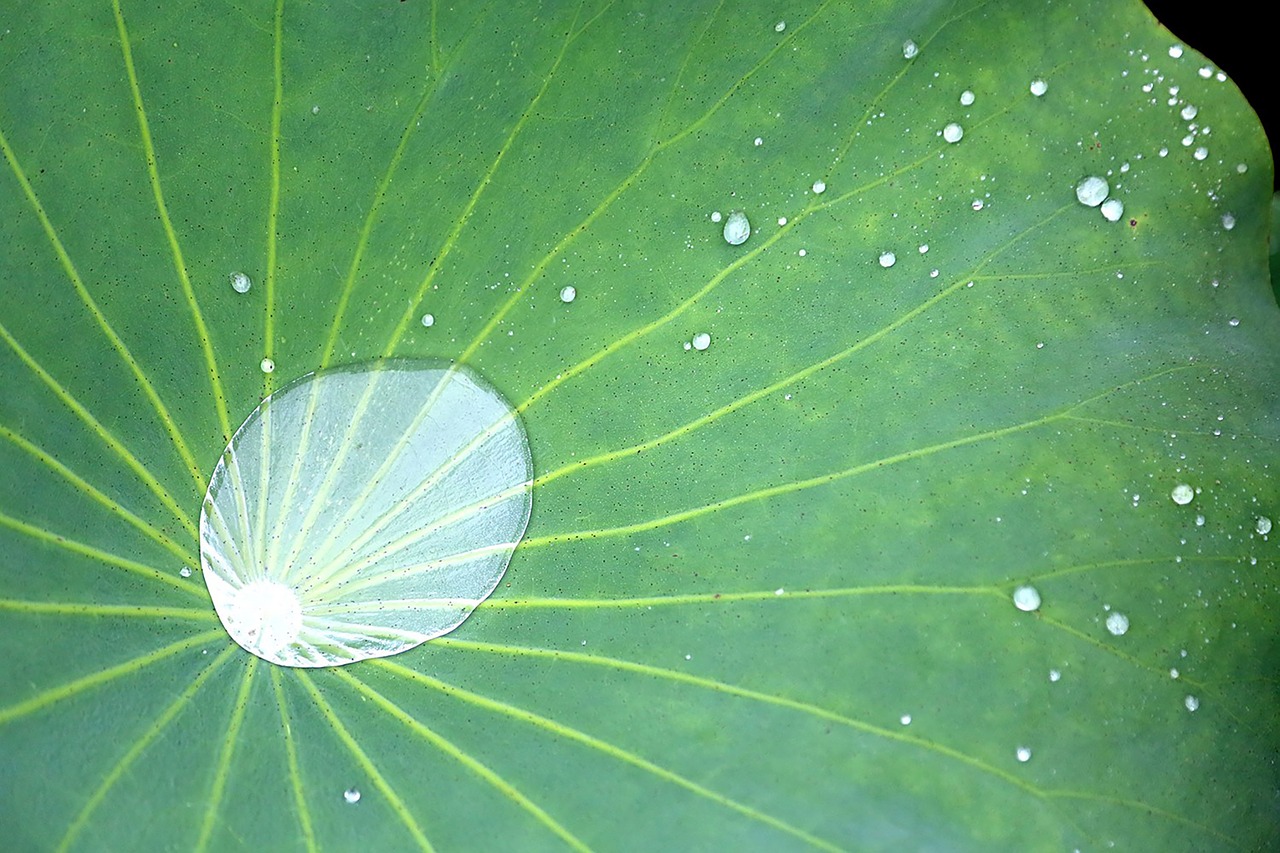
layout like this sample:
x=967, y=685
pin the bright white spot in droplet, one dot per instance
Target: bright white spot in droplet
x=1182, y=494
x=1189, y=112
x=782, y=220
x=1039, y=87
x=1024, y=754
x=952, y=132
x=315, y=111
x=1173, y=672
x=1228, y=221
x=802, y=252
x=736, y=228
x=888, y=259
x=240, y=282
x=1263, y=525
x=977, y=204
x=361, y=511
x=1206, y=72
x=1176, y=51
x=1163, y=152
x=819, y=187
x=715, y=216
x=924, y=247
x=1055, y=675
x=185, y=571
x=267, y=365
x=1092, y=190
x=1112, y=209
x=701, y=341
x=905, y=719
x=759, y=140
x=1026, y=598
x=780, y=26
x=1241, y=168
x=428, y=320
x=1191, y=702
x=909, y=49
x=1117, y=623
x=1200, y=153
x=1234, y=321
x=688, y=657
x=351, y=795
x=966, y=98
x=568, y=293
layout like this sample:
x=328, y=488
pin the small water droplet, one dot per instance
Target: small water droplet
x=1234, y=321
x=568, y=293
x=185, y=571
x=1182, y=494
x=1117, y=623
x=909, y=49
x=267, y=365
x=1039, y=87
x=1199, y=521
x=428, y=320
x=759, y=140
x=1112, y=209
x=952, y=132
x=779, y=591
x=736, y=228
x=1176, y=51
x=905, y=719
x=351, y=795
x=1163, y=152
x=977, y=204
x=1024, y=754
x=780, y=26
x=1205, y=71
x=888, y=259
x=782, y=220
x=802, y=252
x=966, y=98
x=315, y=111
x=1263, y=525
x=1200, y=153
x=1191, y=702
x=715, y=216
x=1026, y=598
x=1055, y=675
x=1189, y=112
x=819, y=187
x=701, y=341
x=1228, y=221
x=240, y=282
x=1241, y=168
x=924, y=247
x=1092, y=191
x=1173, y=672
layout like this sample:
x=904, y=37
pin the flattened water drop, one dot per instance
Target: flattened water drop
x=1026, y=598
x=1262, y=525
x=361, y=511
x=1092, y=190
x=1182, y=494
x=888, y=259
x=910, y=49
x=1112, y=209
x=351, y=795
x=1117, y=623
x=736, y=228
x=952, y=132
x=240, y=282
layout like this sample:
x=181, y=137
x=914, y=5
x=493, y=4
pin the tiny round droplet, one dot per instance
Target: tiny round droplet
x=715, y=216
x=1176, y=51
x=315, y=111
x=267, y=365
x=905, y=719
x=888, y=259
x=819, y=187
x=1117, y=623
x=1200, y=153
x=759, y=140
x=1228, y=221
x=701, y=341
x=952, y=132
x=1234, y=321
x=1191, y=702
x=1026, y=598
x=1024, y=754
x=351, y=795
x=910, y=49
x=1092, y=190
x=185, y=571
x=966, y=98
x=1112, y=209
x=1189, y=112
x=1039, y=87
x=240, y=282
x=1182, y=494
x=568, y=293
x=1055, y=675
x=780, y=26
x=1262, y=525
x=736, y=228
x=428, y=320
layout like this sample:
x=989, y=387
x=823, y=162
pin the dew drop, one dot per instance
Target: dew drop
x=819, y=187
x=1173, y=672
x=351, y=795
x=360, y=511
x=185, y=571
x=1055, y=675
x=1200, y=153
x=1117, y=623
x=1234, y=321
x=701, y=341
x=1189, y=112
x=1191, y=702
x=1112, y=209
x=1039, y=87
x=888, y=259
x=715, y=216
x=1199, y=521
x=736, y=228
x=568, y=293
x=1024, y=754
x=1176, y=51
x=905, y=719
x=1026, y=598
x=1262, y=525
x=240, y=282
x=1228, y=221
x=924, y=247
x=910, y=49
x=966, y=98
x=952, y=132
x=428, y=320
x=1092, y=190
x=759, y=140
x=780, y=26
x=267, y=365
x=1182, y=494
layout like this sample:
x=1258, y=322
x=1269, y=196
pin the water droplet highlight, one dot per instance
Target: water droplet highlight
x=1024, y=754
x=1039, y=87
x=359, y=512
x=428, y=320
x=568, y=293
x=267, y=365
x=351, y=795
x=1182, y=494
x=1262, y=525
x=1117, y=623
x=910, y=49
x=966, y=98
x=1026, y=598
x=701, y=341
x=736, y=228
x=819, y=187
x=905, y=719
x=240, y=282
x=1112, y=209
x=953, y=132
x=1092, y=191
x=888, y=259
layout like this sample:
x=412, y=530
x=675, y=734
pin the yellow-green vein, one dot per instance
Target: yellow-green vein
x=153, y=173
x=295, y=773
x=273, y=203
x=735, y=597
x=114, y=611
x=223, y=767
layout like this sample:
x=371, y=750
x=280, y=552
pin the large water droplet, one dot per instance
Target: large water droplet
x=1117, y=623
x=736, y=228
x=1026, y=598
x=568, y=293
x=361, y=511
x=1262, y=525
x=1112, y=209
x=1182, y=494
x=240, y=282
x=952, y=132
x=1039, y=87
x=888, y=259
x=701, y=341
x=1092, y=190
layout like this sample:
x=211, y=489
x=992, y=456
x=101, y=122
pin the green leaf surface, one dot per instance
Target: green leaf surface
x=765, y=596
